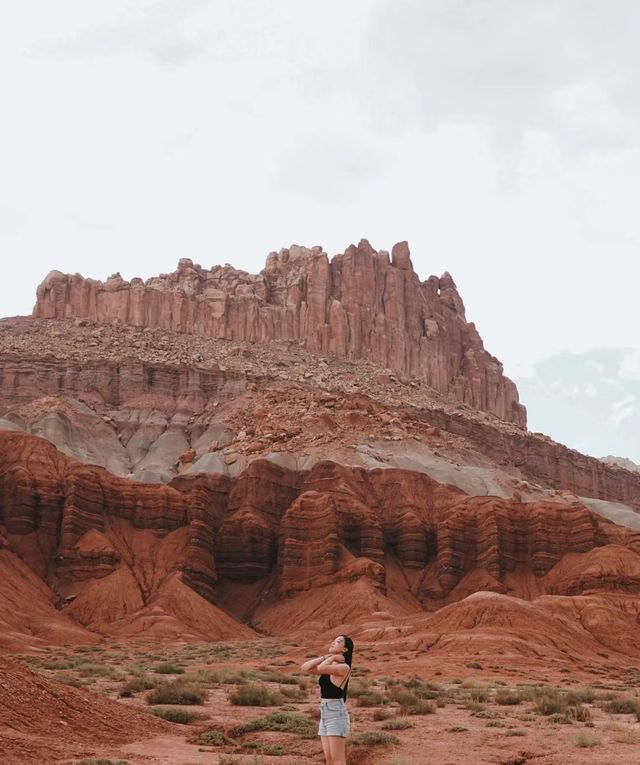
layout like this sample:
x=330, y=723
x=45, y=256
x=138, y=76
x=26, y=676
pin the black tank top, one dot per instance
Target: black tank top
x=330, y=691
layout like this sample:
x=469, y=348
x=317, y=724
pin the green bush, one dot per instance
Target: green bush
x=286, y=722
x=181, y=716
x=177, y=692
x=214, y=737
x=373, y=738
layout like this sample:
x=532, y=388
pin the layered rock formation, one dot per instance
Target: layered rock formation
x=202, y=405
x=361, y=304
x=129, y=558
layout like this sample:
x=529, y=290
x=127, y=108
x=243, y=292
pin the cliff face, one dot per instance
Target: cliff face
x=88, y=533
x=362, y=304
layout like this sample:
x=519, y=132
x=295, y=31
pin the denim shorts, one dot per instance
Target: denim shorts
x=334, y=718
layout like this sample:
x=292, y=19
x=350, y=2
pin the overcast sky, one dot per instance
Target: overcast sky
x=501, y=138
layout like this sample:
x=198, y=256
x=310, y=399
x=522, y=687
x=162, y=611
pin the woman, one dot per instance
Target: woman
x=334, y=669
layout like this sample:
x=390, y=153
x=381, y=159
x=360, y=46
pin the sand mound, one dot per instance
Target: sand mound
x=579, y=629
x=38, y=716
x=28, y=618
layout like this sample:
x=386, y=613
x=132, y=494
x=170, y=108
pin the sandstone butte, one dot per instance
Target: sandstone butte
x=210, y=453
x=361, y=304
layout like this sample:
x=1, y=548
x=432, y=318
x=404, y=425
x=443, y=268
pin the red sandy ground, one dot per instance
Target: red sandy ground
x=43, y=721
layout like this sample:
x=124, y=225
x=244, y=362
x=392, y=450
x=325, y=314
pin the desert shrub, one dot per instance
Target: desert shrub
x=397, y=723
x=273, y=750
x=373, y=738
x=586, y=739
x=254, y=695
x=507, y=698
x=479, y=695
x=559, y=718
x=578, y=713
x=381, y=714
x=623, y=705
x=293, y=693
x=473, y=665
x=177, y=692
x=514, y=732
x=167, y=668
x=402, y=696
x=101, y=762
x=472, y=682
x=228, y=759
x=418, y=707
x=94, y=669
x=182, y=716
x=371, y=699
x=581, y=696
x=456, y=729
x=550, y=701
x=136, y=685
x=286, y=722
x=278, y=677
x=57, y=664
x=214, y=737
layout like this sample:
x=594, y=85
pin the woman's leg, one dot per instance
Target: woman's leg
x=337, y=748
x=326, y=748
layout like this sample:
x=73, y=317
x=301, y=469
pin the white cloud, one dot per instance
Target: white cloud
x=622, y=410
x=630, y=365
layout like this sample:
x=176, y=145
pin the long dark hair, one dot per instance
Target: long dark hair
x=348, y=657
x=348, y=644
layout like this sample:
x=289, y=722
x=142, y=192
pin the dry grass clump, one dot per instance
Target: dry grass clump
x=177, y=692
x=373, y=738
x=381, y=714
x=292, y=693
x=507, y=698
x=136, y=685
x=581, y=696
x=371, y=699
x=168, y=668
x=586, y=739
x=623, y=705
x=254, y=695
x=549, y=701
x=285, y=722
x=397, y=723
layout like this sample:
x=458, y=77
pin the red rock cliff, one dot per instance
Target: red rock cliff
x=361, y=304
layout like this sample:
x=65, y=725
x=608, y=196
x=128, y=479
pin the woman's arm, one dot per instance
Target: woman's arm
x=312, y=665
x=334, y=665
x=331, y=664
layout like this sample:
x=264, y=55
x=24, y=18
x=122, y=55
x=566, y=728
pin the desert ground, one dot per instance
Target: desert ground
x=248, y=703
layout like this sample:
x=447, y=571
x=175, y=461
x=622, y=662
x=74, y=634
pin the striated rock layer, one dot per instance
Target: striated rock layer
x=361, y=304
x=146, y=559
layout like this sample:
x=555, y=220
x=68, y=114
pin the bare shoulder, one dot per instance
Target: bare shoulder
x=338, y=669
